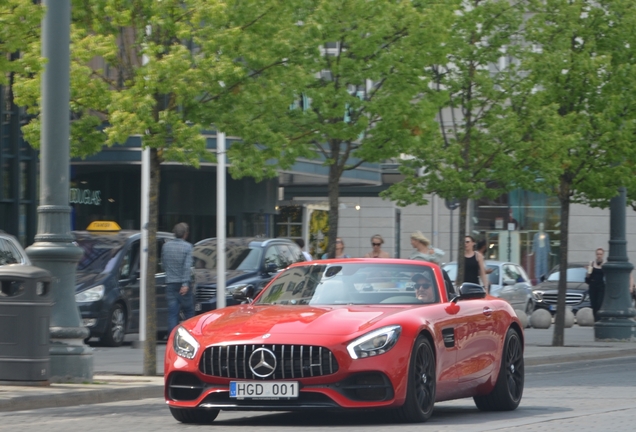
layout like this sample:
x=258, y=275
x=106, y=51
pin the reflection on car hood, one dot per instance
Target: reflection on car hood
x=85, y=280
x=554, y=286
x=208, y=277
x=246, y=321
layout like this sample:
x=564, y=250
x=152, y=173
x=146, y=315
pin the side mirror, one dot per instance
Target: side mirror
x=508, y=282
x=271, y=268
x=244, y=293
x=470, y=291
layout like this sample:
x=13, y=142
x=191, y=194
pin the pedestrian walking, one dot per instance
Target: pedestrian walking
x=595, y=279
x=474, y=267
x=300, y=242
x=376, y=244
x=340, y=246
x=423, y=249
x=176, y=258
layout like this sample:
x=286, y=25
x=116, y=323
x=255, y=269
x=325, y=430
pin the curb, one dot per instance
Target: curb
x=79, y=397
x=575, y=357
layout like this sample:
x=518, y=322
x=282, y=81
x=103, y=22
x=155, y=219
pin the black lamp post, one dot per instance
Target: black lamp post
x=616, y=314
x=53, y=250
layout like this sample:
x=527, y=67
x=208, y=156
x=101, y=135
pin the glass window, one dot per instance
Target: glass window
x=238, y=255
x=8, y=253
x=130, y=262
x=493, y=277
x=510, y=274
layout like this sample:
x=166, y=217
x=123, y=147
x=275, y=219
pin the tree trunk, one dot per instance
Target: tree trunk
x=334, y=195
x=461, y=235
x=559, y=321
x=150, y=347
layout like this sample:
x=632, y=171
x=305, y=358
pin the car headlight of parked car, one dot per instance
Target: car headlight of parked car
x=184, y=344
x=90, y=295
x=375, y=343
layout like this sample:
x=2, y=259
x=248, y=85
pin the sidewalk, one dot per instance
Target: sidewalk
x=118, y=371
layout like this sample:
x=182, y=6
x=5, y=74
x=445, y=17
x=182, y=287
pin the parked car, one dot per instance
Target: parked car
x=11, y=251
x=577, y=295
x=107, y=281
x=348, y=334
x=508, y=281
x=249, y=261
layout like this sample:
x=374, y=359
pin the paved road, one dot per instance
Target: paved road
x=584, y=396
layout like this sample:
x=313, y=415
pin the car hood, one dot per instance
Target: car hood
x=85, y=280
x=208, y=277
x=554, y=286
x=248, y=321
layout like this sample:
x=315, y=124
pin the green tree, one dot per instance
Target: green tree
x=19, y=26
x=483, y=115
x=584, y=69
x=165, y=70
x=355, y=90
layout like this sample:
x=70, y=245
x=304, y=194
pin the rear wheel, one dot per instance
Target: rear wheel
x=116, y=327
x=421, y=387
x=509, y=387
x=198, y=416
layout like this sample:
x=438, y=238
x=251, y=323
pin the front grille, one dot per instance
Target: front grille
x=570, y=298
x=205, y=293
x=292, y=361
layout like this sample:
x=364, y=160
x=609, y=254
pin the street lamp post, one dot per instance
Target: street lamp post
x=616, y=314
x=53, y=250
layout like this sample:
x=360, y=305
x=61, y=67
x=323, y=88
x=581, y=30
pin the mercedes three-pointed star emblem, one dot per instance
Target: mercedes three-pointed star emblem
x=262, y=362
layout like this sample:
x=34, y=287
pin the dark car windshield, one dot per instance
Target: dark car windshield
x=239, y=255
x=100, y=253
x=576, y=274
x=355, y=283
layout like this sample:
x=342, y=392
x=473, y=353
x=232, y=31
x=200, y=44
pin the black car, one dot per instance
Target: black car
x=577, y=296
x=107, y=289
x=249, y=261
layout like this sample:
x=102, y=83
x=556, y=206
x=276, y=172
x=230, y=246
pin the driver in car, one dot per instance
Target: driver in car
x=423, y=288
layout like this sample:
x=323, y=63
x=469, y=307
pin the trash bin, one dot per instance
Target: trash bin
x=25, y=312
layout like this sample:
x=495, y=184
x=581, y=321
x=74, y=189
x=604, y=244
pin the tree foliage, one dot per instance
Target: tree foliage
x=354, y=90
x=19, y=26
x=482, y=115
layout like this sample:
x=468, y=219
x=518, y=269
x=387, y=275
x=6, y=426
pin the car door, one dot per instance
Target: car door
x=160, y=289
x=512, y=291
x=128, y=280
x=476, y=339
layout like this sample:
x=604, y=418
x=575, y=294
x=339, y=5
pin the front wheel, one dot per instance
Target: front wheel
x=116, y=328
x=509, y=387
x=196, y=416
x=422, y=384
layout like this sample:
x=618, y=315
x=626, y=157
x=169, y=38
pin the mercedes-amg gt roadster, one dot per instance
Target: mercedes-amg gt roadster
x=354, y=334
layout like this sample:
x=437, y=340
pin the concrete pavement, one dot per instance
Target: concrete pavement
x=118, y=371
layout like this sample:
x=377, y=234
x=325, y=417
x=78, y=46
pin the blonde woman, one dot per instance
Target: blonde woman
x=376, y=243
x=423, y=249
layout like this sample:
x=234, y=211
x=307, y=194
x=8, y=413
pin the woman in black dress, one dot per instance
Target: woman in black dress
x=474, y=264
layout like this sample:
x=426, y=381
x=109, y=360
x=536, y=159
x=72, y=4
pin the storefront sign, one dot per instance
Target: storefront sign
x=85, y=196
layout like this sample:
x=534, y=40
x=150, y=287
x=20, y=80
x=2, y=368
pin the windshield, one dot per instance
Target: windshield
x=238, y=256
x=576, y=274
x=356, y=283
x=99, y=253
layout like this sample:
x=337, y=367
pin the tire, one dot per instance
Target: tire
x=421, y=386
x=529, y=308
x=509, y=387
x=197, y=416
x=116, y=327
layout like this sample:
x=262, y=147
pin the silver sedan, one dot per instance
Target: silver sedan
x=507, y=280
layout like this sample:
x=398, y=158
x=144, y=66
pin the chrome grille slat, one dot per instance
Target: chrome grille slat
x=570, y=298
x=293, y=361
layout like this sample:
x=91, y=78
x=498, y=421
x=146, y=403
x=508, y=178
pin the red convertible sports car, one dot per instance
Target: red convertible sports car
x=348, y=334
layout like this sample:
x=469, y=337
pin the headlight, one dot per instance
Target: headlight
x=375, y=343
x=184, y=344
x=538, y=295
x=90, y=295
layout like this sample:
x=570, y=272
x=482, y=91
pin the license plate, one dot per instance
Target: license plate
x=552, y=308
x=270, y=390
x=197, y=307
